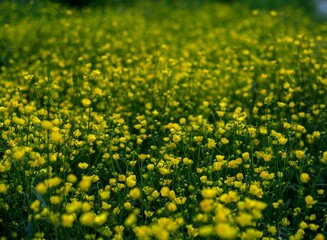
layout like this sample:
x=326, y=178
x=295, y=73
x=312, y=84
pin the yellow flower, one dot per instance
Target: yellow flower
x=83, y=165
x=256, y=191
x=105, y=205
x=53, y=182
x=272, y=229
x=71, y=178
x=251, y=233
x=310, y=201
x=172, y=207
x=55, y=200
x=73, y=206
x=36, y=120
x=282, y=140
x=135, y=193
x=244, y=219
x=41, y=188
x=86, y=102
x=68, y=219
x=85, y=183
x=211, y=143
x=304, y=177
x=35, y=205
x=217, y=166
x=18, y=121
x=98, y=92
x=206, y=231
x=191, y=231
x=127, y=205
x=19, y=154
x=130, y=220
x=313, y=227
x=155, y=194
x=226, y=231
x=142, y=232
x=303, y=225
x=222, y=213
x=316, y=134
x=56, y=137
x=299, y=154
x=319, y=236
x=101, y=218
x=320, y=191
x=224, y=140
x=281, y=104
x=131, y=181
x=312, y=217
x=87, y=218
x=176, y=138
x=46, y=125
x=164, y=191
x=285, y=221
x=116, y=156
x=104, y=195
x=209, y=193
x=206, y=205
x=246, y=156
x=324, y=157
x=28, y=77
x=163, y=171
x=91, y=138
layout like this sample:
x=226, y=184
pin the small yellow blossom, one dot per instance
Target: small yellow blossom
x=86, y=102
x=104, y=195
x=87, y=219
x=83, y=165
x=319, y=236
x=310, y=201
x=299, y=154
x=101, y=218
x=304, y=177
x=71, y=178
x=91, y=138
x=226, y=231
x=246, y=156
x=206, y=231
x=224, y=141
x=256, y=191
x=244, y=219
x=55, y=200
x=116, y=156
x=56, y=137
x=171, y=207
x=68, y=219
x=272, y=229
x=46, y=125
x=35, y=205
x=85, y=183
x=130, y=220
x=209, y=193
x=135, y=193
x=211, y=143
x=19, y=154
x=131, y=181
x=41, y=188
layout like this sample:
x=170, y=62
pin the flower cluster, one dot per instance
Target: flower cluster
x=159, y=122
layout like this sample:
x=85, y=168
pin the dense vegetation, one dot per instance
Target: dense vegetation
x=162, y=121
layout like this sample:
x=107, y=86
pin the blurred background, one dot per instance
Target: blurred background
x=315, y=8
x=308, y=5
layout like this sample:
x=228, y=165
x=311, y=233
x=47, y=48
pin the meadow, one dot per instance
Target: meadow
x=162, y=121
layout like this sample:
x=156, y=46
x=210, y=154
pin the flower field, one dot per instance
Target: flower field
x=162, y=121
